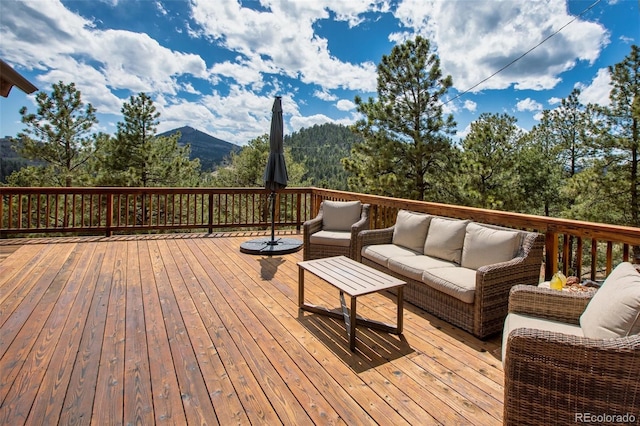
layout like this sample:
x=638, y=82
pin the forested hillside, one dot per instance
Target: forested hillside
x=321, y=148
x=210, y=150
x=10, y=160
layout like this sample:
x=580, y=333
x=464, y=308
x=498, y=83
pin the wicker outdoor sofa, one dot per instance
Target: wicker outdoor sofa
x=458, y=270
x=574, y=357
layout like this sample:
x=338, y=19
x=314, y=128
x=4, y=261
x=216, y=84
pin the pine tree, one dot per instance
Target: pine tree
x=58, y=134
x=488, y=166
x=541, y=170
x=624, y=127
x=246, y=167
x=404, y=153
x=136, y=156
x=570, y=123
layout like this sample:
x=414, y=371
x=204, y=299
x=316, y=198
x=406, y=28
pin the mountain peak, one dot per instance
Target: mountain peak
x=210, y=150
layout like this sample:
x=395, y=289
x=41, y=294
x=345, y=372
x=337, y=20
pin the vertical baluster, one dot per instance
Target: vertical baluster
x=578, y=271
x=609, y=257
x=551, y=248
x=565, y=253
x=28, y=215
x=594, y=258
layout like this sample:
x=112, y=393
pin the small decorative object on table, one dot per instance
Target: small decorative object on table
x=561, y=283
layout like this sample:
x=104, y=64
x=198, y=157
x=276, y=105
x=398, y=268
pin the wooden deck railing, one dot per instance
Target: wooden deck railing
x=108, y=210
x=591, y=248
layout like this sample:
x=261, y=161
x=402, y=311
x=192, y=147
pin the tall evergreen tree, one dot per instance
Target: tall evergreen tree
x=138, y=157
x=570, y=123
x=488, y=166
x=541, y=171
x=58, y=134
x=404, y=153
x=624, y=126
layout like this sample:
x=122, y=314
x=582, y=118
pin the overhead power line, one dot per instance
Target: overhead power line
x=525, y=53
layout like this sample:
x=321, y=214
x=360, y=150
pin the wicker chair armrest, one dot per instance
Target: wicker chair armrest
x=550, y=377
x=312, y=226
x=361, y=225
x=372, y=237
x=548, y=304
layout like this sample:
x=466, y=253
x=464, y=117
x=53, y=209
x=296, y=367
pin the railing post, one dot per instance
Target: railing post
x=551, y=254
x=210, y=213
x=109, y=214
x=298, y=209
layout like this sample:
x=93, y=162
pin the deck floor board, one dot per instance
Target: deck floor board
x=180, y=329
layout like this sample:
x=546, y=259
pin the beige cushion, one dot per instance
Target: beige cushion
x=381, y=253
x=414, y=266
x=487, y=246
x=340, y=215
x=445, y=239
x=410, y=229
x=514, y=321
x=614, y=311
x=455, y=281
x=331, y=238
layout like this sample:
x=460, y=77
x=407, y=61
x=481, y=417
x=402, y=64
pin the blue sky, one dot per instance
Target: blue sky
x=216, y=65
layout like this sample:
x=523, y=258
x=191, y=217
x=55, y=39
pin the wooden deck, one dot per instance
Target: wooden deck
x=185, y=329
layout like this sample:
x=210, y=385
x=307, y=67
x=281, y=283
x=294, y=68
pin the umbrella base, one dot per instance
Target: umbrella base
x=271, y=247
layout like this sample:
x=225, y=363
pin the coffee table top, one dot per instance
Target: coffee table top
x=349, y=276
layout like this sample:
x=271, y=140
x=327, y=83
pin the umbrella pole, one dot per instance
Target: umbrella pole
x=273, y=219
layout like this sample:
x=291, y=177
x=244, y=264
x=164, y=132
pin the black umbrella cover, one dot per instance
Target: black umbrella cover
x=275, y=174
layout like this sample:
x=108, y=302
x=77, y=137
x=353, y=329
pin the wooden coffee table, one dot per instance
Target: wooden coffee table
x=353, y=279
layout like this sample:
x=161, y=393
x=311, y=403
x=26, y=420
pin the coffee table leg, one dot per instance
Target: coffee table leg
x=352, y=325
x=300, y=286
x=400, y=310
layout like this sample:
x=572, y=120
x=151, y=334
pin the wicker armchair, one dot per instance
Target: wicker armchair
x=334, y=230
x=555, y=377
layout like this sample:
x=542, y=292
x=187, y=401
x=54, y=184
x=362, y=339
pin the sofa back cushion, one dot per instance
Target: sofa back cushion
x=445, y=238
x=411, y=229
x=340, y=215
x=485, y=246
x=614, y=311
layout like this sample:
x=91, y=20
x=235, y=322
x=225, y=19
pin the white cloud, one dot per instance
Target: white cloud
x=554, y=100
x=345, y=105
x=470, y=106
x=474, y=39
x=597, y=92
x=282, y=40
x=324, y=95
x=69, y=48
x=529, y=105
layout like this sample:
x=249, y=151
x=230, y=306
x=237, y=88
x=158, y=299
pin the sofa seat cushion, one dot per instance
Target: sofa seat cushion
x=488, y=246
x=331, y=238
x=445, y=239
x=514, y=321
x=340, y=215
x=414, y=266
x=381, y=253
x=455, y=281
x=410, y=230
x=614, y=311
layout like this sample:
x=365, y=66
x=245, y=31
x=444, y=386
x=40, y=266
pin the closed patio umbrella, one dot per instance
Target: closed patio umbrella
x=275, y=174
x=275, y=178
